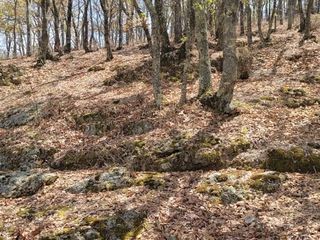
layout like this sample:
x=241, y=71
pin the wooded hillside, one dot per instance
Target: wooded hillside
x=182, y=119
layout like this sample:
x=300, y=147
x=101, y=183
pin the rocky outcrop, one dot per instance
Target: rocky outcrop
x=22, y=184
x=230, y=186
x=123, y=225
x=10, y=75
x=293, y=159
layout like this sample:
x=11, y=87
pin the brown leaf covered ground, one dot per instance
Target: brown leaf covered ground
x=178, y=210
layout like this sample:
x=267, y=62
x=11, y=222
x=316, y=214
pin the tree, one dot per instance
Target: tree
x=44, y=53
x=156, y=53
x=85, y=27
x=307, y=31
x=55, y=13
x=189, y=22
x=249, y=24
x=106, y=30
x=177, y=21
x=221, y=100
x=205, y=83
x=165, y=42
x=67, y=48
x=28, y=29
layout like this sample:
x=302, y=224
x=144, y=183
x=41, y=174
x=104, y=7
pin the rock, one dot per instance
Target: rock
x=230, y=195
x=300, y=102
x=21, y=184
x=96, y=68
x=113, y=179
x=123, y=225
x=249, y=219
x=245, y=60
x=150, y=180
x=137, y=128
x=293, y=55
x=24, y=158
x=20, y=116
x=312, y=77
x=230, y=186
x=10, y=75
x=294, y=159
x=294, y=92
x=267, y=182
x=95, y=123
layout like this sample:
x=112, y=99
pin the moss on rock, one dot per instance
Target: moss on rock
x=295, y=159
x=268, y=182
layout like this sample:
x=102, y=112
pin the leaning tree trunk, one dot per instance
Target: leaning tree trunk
x=28, y=29
x=229, y=76
x=156, y=53
x=69, y=22
x=106, y=30
x=205, y=83
x=142, y=17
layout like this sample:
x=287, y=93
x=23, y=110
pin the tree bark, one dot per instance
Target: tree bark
x=57, y=42
x=156, y=53
x=177, y=21
x=205, y=83
x=15, y=29
x=106, y=30
x=249, y=24
x=241, y=18
x=28, y=29
x=85, y=27
x=120, y=42
x=44, y=44
x=68, y=32
x=165, y=42
x=229, y=76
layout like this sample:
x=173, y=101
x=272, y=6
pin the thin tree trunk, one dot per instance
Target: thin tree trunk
x=177, y=21
x=69, y=22
x=120, y=43
x=241, y=18
x=143, y=21
x=85, y=27
x=15, y=29
x=28, y=29
x=205, y=83
x=249, y=24
x=57, y=42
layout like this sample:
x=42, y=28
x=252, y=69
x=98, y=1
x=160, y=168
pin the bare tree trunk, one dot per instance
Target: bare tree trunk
x=28, y=29
x=156, y=53
x=177, y=21
x=15, y=29
x=249, y=24
x=68, y=33
x=106, y=29
x=85, y=27
x=291, y=7
x=44, y=44
x=280, y=11
x=142, y=17
x=205, y=83
x=302, y=17
x=165, y=42
x=307, y=32
x=241, y=18
x=189, y=42
x=55, y=12
x=219, y=24
x=120, y=43
x=229, y=76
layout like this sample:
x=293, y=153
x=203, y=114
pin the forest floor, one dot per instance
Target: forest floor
x=65, y=90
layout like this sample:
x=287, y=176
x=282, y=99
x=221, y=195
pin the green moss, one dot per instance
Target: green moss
x=151, y=180
x=267, y=183
x=238, y=145
x=296, y=159
x=208, y=188
x=293, y=91
x=267, y=98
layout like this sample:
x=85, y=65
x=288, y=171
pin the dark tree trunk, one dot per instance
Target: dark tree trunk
x=241, y=18
x=69, y=22
x=219, y=24
x=165, y=42
x=28, y=29
x=177, y=21
x=57, y=42
x=85, y=27
x=44, y=44
x=106, y=30
x=120, y=42
x=280, y=11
